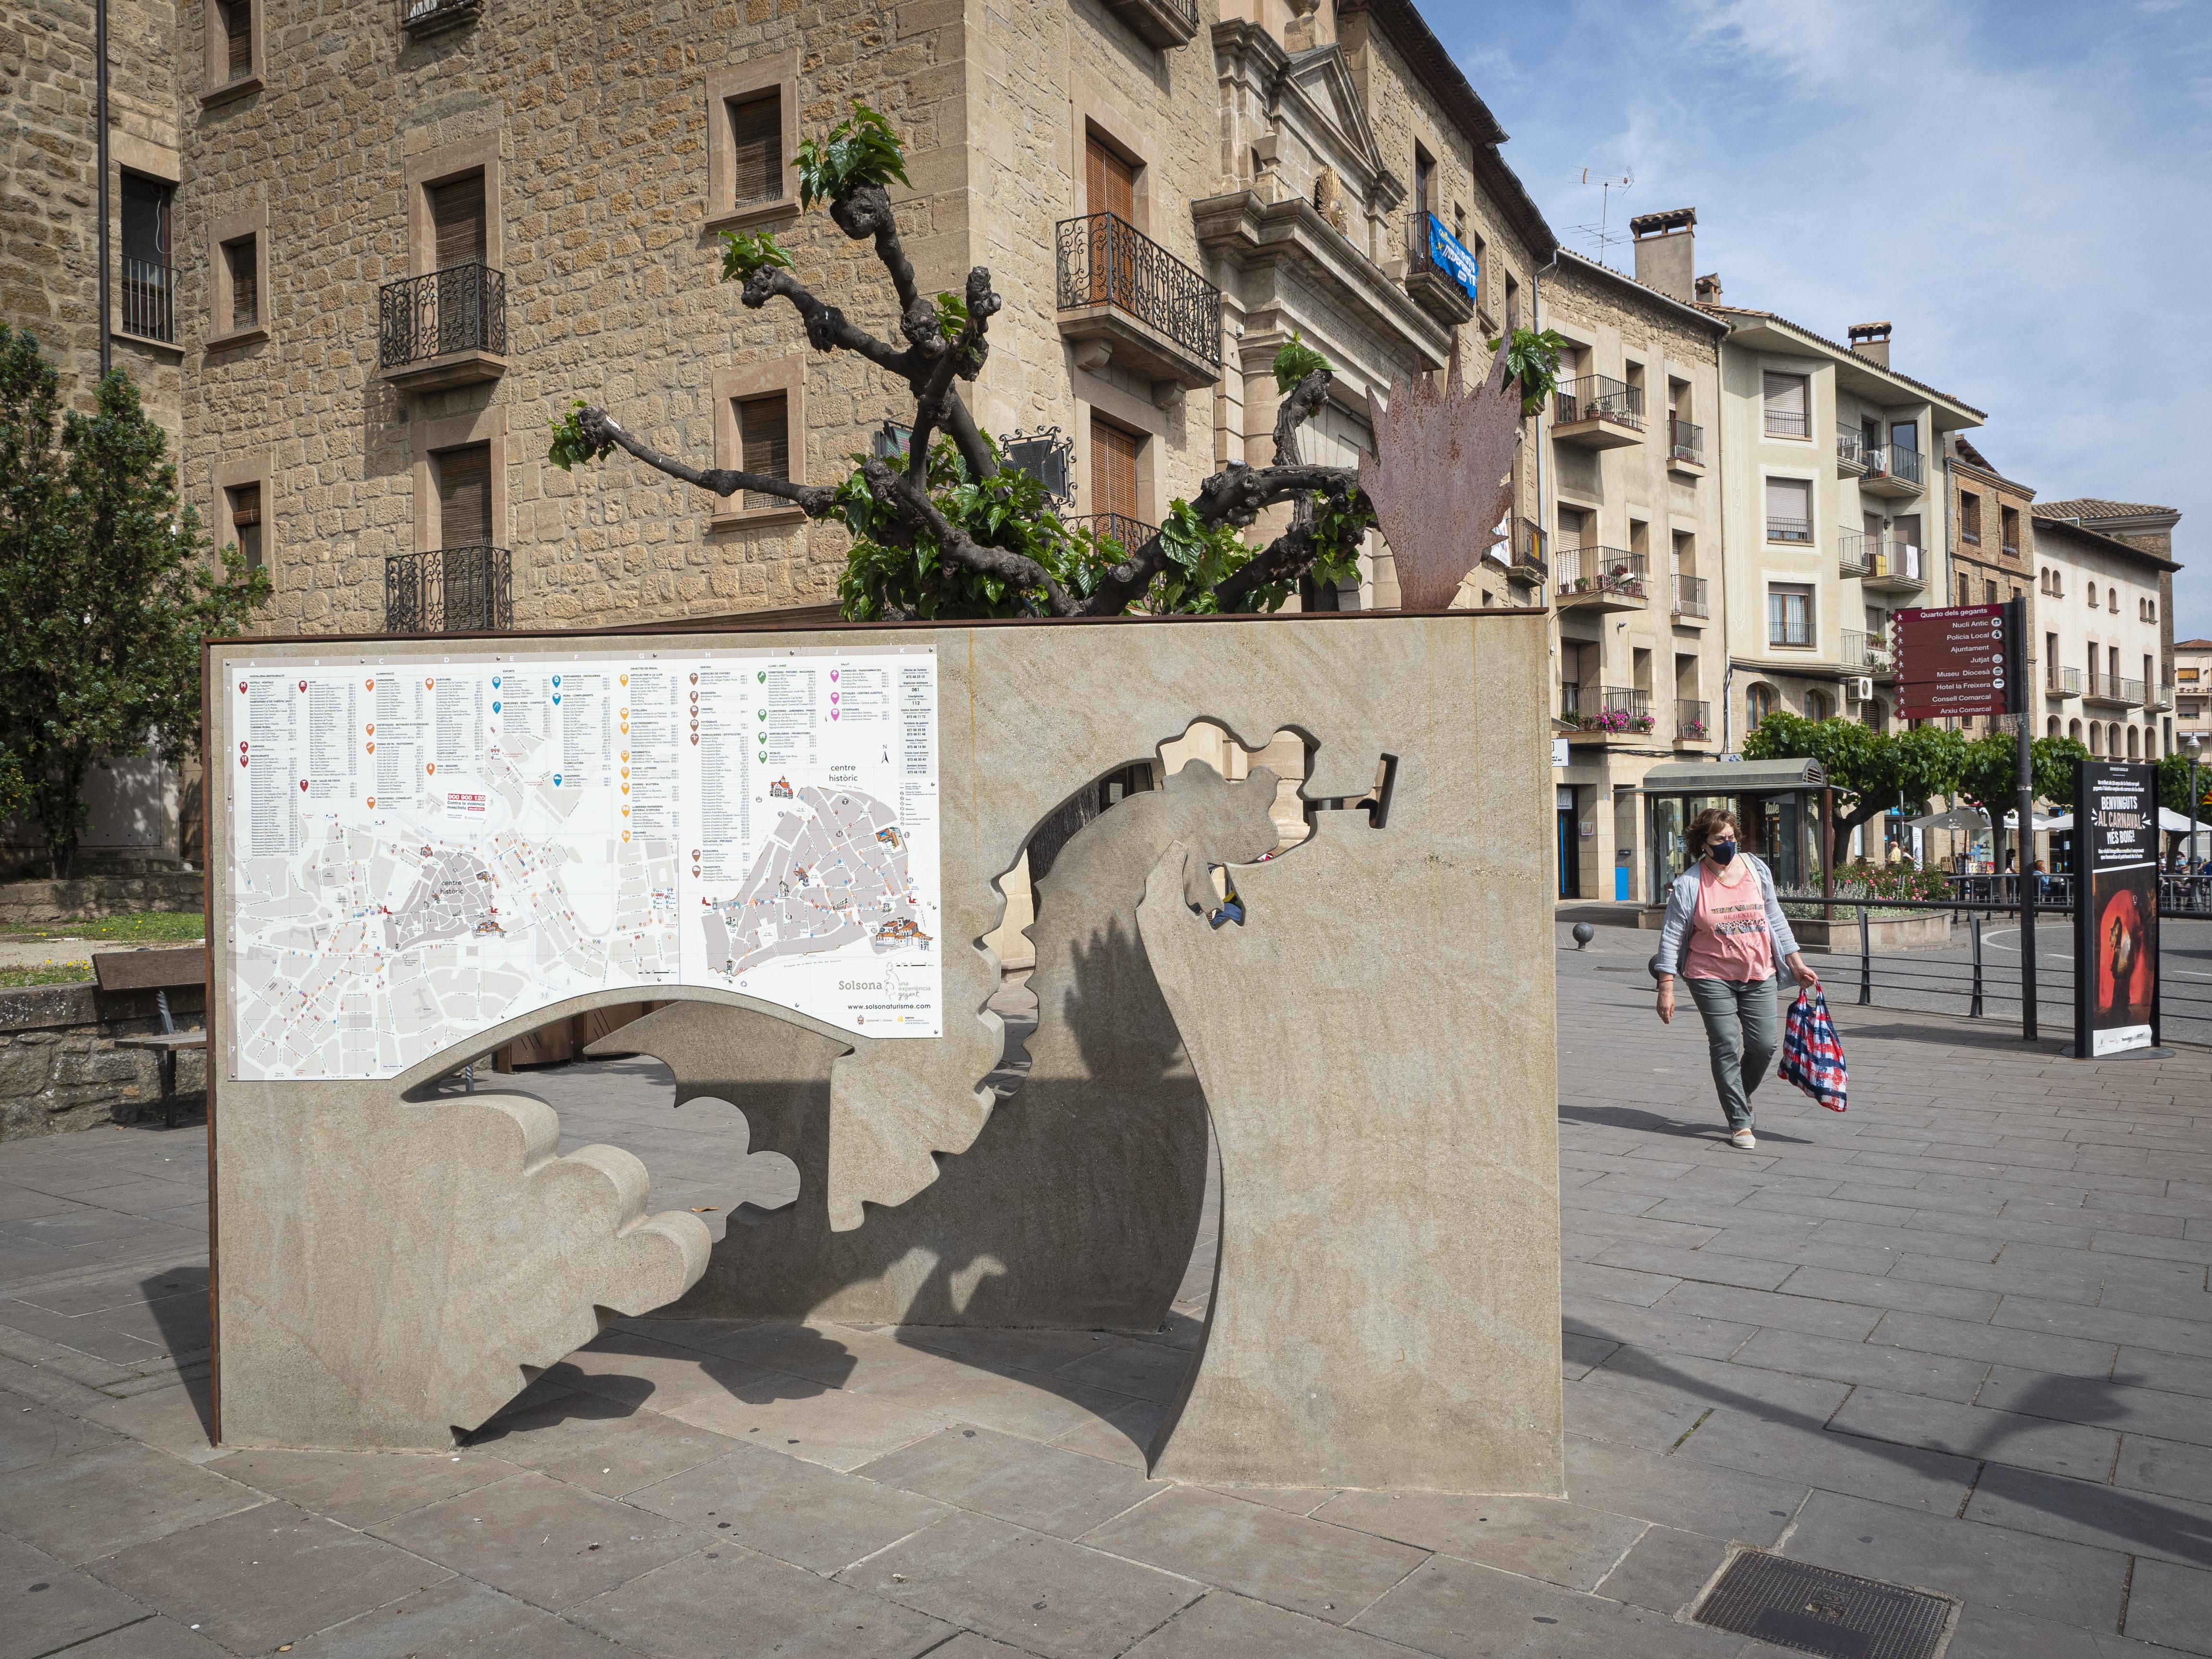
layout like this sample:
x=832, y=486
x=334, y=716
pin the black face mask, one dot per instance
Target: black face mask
x=1721, y=851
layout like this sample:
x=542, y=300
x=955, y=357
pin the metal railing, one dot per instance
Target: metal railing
x=1685, y=442
x=1598, y=398
x=1858, y=553
x=454, y=590
x=2124, y=690
x=1529, y=550
x=1895, y=461
x=1615, y=710
x=1863, y=650
x=1690, y=596
x=1850, y=445
x=461, y=308
x=2064, y=682
x=1693, y=719
x=1105, y=260
x=149, y=300
x=1581, y=570
x=1788, y=530
x=1119, y=528
x=1781, y=423
x=427, y=16
x=1570, y=702
x=2165, y=695
x=1420, y=256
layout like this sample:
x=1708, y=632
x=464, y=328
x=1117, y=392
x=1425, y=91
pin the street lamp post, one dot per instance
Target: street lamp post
x=2196, y=744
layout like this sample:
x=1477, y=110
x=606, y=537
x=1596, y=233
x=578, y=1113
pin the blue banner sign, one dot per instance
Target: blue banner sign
x=1446, y=253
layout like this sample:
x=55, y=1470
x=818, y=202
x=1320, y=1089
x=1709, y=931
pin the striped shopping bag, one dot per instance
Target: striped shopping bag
x=1812, y=1053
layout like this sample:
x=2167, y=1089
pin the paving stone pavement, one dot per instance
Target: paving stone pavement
x=1960, y=1338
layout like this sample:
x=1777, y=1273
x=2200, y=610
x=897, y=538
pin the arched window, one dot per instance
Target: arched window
x=2074, y=730
x=2132, y=740
x=2053, y=731
x=2093, y=596
x=2112, y=600
x=1759, y=702
x=1877, y=714
x=1816, y=705
x=2097, y=738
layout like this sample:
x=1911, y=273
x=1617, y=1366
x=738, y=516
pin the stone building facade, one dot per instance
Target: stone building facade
x=1992, y=549
x=2104, y=625
x=402, y=239
x=1631, y=495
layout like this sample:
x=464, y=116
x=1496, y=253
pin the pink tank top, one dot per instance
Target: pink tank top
x=1727, y=935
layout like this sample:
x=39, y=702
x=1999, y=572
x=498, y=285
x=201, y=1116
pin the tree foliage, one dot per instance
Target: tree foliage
x=1532, y=363
x=107, y=586
x=1989, y=778
x=1871, y=771
x=2173, y=786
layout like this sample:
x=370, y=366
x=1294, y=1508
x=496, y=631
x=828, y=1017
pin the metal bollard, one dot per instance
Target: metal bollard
x=1866, y=964
x=1974, y=929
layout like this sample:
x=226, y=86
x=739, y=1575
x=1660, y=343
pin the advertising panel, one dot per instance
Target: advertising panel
x=421, y=848
x=2116, y=907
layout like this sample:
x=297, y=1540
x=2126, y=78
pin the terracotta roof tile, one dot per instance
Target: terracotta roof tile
x=2093, y=507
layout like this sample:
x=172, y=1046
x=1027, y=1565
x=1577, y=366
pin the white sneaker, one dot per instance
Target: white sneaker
x=1744, y=1140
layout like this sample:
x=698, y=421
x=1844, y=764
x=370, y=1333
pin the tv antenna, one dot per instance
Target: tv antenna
x=1601, y=234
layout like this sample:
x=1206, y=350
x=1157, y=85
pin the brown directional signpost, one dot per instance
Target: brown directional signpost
x=1964, y=659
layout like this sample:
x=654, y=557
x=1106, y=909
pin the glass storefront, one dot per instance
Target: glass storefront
x=1777, y=802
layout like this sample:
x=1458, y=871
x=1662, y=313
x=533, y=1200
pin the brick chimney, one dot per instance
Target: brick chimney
x=1709, y=289
x=1666, y=248
x=1871, y=341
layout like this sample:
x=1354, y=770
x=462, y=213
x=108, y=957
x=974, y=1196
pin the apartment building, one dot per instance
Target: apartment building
x=1835, y=513
x=2192, y=691
x=2103, y=625
x=390, y=246
x=1632, y=495
x=1991, y=546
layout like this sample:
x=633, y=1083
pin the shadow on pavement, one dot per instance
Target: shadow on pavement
x=178, y=1299
x=1630, y=1117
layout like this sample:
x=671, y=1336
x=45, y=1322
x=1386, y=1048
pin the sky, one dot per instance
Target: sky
x=2024, y=189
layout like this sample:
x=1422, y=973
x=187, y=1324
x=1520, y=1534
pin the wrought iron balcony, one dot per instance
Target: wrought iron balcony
x=1128, y=533
x=1158, y=318
x=1608, y=711
x=1685, y=442
x=1162, y=23
x=1527, y=563
x=149, y=301
x=1693, y=720
x=454, y=591
x=1850, y=450
x=1786, y=424
x=421, y=17
x=1597, y=412
x=447, y=328
x=1602, y=578
x=1690, y=596
x=1788, y=530
x=1437, y=287
x=1893, y=469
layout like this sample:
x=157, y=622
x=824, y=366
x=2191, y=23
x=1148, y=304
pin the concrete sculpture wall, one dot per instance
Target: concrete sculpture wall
x=1375, y=1044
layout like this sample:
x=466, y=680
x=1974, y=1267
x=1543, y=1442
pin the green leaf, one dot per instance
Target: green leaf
x=569, y=445
x=860, y=151
x=1532, y=363
x=744, y=252
x=951, y=315
x=1295, y=361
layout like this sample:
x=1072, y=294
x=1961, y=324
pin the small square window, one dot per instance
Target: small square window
x=1790, y=616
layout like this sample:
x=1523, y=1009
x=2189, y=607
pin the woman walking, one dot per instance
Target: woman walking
x=1724, y=933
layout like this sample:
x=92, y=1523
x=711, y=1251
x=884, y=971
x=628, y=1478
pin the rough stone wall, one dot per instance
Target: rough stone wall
x=611, y=279
x=60, y=1069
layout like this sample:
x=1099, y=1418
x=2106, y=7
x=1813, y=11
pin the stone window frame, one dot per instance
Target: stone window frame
x=1093, y=115
x=256, y=467
x=1131, y=414
x=730, y=386
x=484, y=426
x=218, y=86
x=442, y=166
x=224, y=232
x=723, y=87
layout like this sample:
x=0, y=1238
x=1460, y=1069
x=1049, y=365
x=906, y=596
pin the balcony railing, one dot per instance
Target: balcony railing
x=1895, y=461
x=2165, y=695
x=1616, y=710
x=1442, y=289
x=1690, y=596
x=1106, y=261
x=1598, y=398
x=149, y=300
x=1785, y=424
x=429, y=16
x=456, y=590
x=1570, y=702
x=1598, y=570
x=1788, y=530
x=1864, y=650
x=1850, y=446
x=1693, y=719
x=1118, y=527
x=2124, y=690
x=1685, y=442
x=461, y=308
x=1882, y=558
x=2063, y=683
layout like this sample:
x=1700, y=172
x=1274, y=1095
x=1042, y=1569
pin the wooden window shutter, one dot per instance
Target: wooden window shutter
x=1110, y=183
x=756, y=167
x=1114, y=470
x=246, y=521
x=245, y=281
x=457, y=214
x=464, y=496
x=238, y=29
x=764, y=442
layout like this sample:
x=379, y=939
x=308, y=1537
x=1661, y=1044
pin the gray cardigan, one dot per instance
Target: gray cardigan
x=1682, y=911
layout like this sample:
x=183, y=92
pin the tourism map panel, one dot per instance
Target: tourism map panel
x=421, y=848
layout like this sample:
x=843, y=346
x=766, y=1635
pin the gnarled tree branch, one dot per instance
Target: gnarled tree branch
x=603, y=434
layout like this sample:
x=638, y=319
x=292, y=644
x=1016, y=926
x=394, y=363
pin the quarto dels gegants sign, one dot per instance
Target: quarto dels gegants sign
x=421, y=847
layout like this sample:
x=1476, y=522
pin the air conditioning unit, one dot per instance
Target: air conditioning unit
x=1860, y=689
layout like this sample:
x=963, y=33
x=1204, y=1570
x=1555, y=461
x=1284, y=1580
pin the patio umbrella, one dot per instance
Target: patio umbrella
x=1965, y=819
x=2064, y=822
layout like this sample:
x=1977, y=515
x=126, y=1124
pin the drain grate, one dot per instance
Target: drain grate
x=1793, y=1605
